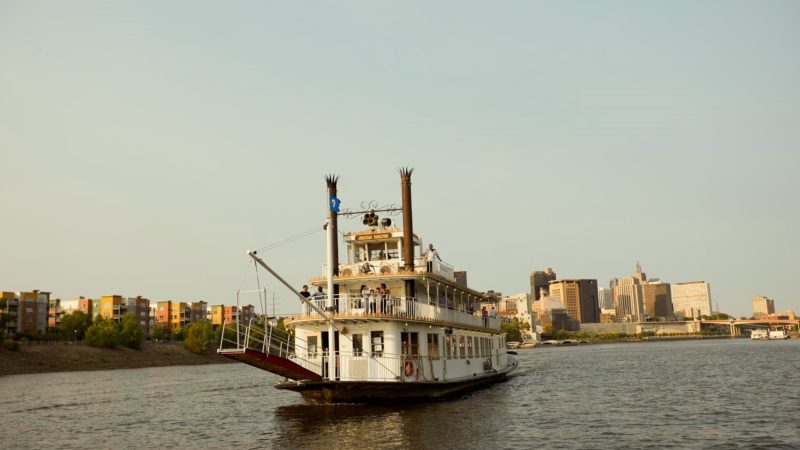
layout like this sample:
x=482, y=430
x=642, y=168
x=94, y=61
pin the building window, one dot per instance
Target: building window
x=376, y=339
x=433, y=346
x=358, y=345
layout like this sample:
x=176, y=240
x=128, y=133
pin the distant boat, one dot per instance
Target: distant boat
x=766, y=335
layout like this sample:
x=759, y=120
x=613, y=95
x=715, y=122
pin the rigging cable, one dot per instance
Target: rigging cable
x=290, y=239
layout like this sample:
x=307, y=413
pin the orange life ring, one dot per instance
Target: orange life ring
x=408, y=368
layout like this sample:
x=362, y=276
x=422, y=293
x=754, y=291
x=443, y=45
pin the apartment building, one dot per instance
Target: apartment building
x=27, y=311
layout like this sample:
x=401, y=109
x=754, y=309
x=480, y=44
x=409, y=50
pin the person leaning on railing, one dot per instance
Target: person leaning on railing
x=430, y=256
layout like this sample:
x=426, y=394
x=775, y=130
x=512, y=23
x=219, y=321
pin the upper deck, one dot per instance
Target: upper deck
x=407, y=309
x=429, y=292
x=379, y=251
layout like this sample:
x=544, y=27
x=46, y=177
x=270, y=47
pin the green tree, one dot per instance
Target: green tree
x=131, y=334
x=178, y=334
x=74, y=326
x=160, y=332
x=514, y=330
x=199, y=337
x=103, y=334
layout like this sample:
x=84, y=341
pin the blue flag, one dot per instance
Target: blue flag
x=334, y=203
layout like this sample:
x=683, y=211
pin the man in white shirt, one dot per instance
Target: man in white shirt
x=430, y=256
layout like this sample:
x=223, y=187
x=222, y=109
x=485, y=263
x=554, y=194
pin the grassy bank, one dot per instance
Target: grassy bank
x=60, y=357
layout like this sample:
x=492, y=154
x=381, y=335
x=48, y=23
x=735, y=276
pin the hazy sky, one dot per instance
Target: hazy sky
x=145, y=146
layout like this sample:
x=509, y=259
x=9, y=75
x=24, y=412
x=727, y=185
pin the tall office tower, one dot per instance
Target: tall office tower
x=763, y=306
x=541, y=279
x=692, y=299
x=579, y=298
x=605, y=300
x=657, y=299
x=628, y=298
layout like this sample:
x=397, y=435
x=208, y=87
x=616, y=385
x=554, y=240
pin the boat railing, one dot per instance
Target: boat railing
x=270, y=340
x=380, y=267
x=378, y=306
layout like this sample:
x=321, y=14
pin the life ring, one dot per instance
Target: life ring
x=408, y=368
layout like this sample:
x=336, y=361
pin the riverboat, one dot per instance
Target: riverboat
x=772, y=335
x=396, y=325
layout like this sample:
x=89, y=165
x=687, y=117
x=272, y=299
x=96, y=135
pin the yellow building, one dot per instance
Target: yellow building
x=112, y=307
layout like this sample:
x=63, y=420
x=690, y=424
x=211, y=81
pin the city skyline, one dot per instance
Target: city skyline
x=145, y=155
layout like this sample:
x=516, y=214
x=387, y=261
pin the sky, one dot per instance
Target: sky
x=146, y=146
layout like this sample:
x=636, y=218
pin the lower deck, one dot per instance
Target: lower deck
x=394, y=350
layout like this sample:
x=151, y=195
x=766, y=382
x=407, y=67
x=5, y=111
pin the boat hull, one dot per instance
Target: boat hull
x=382, y=392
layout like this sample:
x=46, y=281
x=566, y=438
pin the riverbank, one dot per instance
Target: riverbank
x=64, y=357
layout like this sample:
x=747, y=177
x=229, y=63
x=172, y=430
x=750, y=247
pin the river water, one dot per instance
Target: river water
x=690, y=394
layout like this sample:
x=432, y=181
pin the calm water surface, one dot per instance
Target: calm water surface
x=691, y=394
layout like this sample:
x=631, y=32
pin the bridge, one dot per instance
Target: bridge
x=737, y=325
x=733, y=327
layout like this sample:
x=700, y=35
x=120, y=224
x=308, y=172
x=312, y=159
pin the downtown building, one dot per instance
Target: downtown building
x=691, y=299
x=604, y=298
x=637, y=299
x=657, y=299
x=579, y=297
x=628, y=298
x=541, y=279
x=763, y=306
x=25, y=312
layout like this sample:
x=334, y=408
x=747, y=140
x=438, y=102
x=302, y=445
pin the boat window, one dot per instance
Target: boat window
x=311, y=342
x=470, y=347
x=410, y=342
x=462, y=351
x=358, y=345
x=377, y=343
x=377, y=252
x=433, y=346
x=448, y=345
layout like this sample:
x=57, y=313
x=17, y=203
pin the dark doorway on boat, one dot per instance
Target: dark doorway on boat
x=326, y=353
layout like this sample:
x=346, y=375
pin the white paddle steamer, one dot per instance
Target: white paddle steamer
x=422, y=339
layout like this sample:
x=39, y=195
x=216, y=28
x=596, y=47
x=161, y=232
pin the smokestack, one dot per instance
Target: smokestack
x=408, y=229
x=408, y=224
x=331, y=180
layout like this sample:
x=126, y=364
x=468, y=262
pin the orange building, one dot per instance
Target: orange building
x=221, y=314
x=175, y=315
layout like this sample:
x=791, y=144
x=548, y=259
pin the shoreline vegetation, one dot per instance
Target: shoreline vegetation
x=42, y=357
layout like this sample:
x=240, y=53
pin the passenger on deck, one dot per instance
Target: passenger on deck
x=319, y=295
x=493, y=312
x=430, y=256
x=305, y=292
x=387, y=299
x=364, y=296
x=485, y=315
x=372, y=299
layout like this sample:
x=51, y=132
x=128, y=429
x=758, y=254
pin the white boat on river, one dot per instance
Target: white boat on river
x=397, y=326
